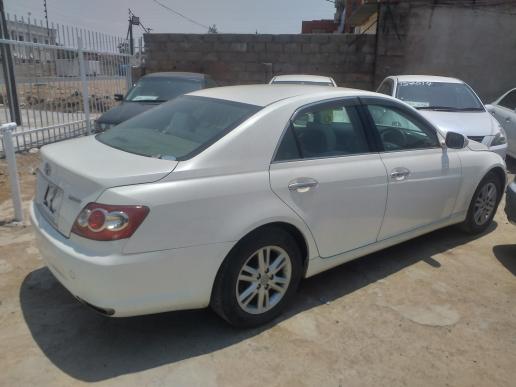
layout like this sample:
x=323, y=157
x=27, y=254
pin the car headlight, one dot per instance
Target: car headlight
x=499, y=139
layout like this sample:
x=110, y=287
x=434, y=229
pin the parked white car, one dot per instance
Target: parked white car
x=230, y=196
x=302, y=79
x=450, y=104
x=504, y=110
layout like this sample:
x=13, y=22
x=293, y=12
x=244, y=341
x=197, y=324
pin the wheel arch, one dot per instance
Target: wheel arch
x=499, y=172
x=301, y=239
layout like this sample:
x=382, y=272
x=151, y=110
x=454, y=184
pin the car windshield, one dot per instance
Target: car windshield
x=439, y=96
x=313, y=83
x=178, y=129
x=160, y=89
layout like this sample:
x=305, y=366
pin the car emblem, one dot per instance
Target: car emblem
x=47, y=169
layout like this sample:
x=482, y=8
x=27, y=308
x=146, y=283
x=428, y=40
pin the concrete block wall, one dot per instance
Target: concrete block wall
x=467, y=40
x=250, y=58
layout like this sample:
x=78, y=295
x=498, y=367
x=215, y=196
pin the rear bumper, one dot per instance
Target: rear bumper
x=132, y=284
x=510, y=203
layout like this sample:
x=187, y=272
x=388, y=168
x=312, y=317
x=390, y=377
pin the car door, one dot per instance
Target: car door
x=424, y=178
x=326, y=170
x=505, y=112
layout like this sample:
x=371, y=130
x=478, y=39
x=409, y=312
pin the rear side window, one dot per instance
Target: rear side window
x=179, y=129
x=509, y=101
x=288, y=149
x=325, y=131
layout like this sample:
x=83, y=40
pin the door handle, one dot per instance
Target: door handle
x=508, y=119
x=399, y=174
x=302, y=184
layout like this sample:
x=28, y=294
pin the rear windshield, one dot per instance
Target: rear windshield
x=179, y=129
x=159, y=89
x=439, y=96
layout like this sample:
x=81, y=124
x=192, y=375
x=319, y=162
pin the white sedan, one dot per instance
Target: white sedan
x=450, y=104
x=504, y=110
x=230, y=196
x=303, y=79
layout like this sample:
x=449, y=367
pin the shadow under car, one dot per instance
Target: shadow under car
x=91, y=347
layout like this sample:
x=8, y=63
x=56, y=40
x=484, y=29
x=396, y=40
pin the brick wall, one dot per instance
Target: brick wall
x=250, y=58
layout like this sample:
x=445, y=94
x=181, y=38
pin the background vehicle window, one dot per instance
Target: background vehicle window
x=210, y=82
x=398, y=131
x=439, y=96
x=161, y=89
x=386, y=88
x=509, y=101
x=325, y=132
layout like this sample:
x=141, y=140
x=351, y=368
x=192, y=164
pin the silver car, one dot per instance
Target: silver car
x=504, y=110
x=450, y=104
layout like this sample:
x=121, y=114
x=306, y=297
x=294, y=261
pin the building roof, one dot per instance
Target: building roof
x=263, y=95
x=426, y=78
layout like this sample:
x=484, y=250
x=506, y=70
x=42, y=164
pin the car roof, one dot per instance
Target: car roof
x=176, y=74
x=426, y=78
x=263, y=95
x=302, y=77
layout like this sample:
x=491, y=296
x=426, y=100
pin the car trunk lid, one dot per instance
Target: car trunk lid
x=75, y=172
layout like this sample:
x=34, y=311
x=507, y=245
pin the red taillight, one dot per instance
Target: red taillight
x=103, y=222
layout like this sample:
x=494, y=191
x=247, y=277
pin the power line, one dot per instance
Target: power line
x=181, y=15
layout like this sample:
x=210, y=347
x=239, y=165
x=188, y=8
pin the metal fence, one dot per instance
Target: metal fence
x=64, y=78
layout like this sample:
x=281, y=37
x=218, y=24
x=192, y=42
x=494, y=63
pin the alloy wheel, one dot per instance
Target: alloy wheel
x=485, y=203
x=263, y=279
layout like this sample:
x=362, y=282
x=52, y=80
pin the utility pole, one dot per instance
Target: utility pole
x=133, y=21
x=8, y=70
x=46, y=18
x=131, y=39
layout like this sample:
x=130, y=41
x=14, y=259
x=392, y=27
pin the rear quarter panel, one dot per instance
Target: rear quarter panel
x=203, y=211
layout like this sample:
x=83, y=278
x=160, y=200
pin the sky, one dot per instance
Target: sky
x=230, y=16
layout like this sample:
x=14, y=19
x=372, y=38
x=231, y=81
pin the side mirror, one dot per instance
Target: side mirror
x=456, y=140
x=119, y=97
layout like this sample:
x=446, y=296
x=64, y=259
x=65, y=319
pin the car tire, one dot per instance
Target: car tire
x=483, y=206
x=242, y=272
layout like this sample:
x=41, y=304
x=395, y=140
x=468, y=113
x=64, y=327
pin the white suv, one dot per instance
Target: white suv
x=451, y=105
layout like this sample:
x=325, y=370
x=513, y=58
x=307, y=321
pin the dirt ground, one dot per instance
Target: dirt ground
x=436, y=311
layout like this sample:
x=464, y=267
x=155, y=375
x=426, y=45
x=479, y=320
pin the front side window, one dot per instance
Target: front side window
x=439, y=96
x=399, y=131
x=157, y=89
x=509, y=101
x=323, y=132
x=178, y=129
